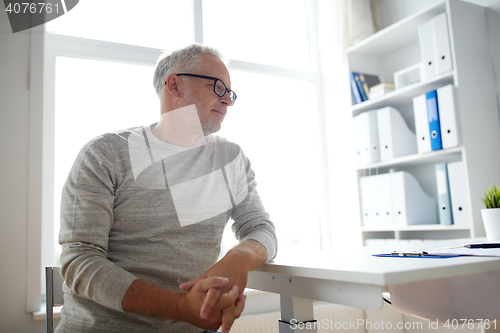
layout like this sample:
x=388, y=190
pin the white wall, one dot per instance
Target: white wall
x=14, y=136
x=494, y=26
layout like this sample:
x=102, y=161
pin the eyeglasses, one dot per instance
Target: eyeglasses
x=219, y=87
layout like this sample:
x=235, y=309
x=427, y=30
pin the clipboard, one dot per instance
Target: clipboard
x=468, y=250
x=416, y=254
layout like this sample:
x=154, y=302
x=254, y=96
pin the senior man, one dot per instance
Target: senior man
x=143, y=211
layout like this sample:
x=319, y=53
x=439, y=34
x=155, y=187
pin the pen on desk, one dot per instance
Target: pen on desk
x=483, y=246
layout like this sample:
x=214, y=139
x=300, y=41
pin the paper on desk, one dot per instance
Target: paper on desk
x=464, y=251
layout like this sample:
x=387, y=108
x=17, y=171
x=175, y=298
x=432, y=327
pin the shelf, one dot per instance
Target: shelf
x=397, y=47
x=434, y=157
x=421, y=227
x=396, y=36
x=403, y=96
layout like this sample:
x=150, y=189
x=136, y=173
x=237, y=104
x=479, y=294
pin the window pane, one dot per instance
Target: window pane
x=273, y=121
x=158, y=23
x=92, y=98
x=261, y=31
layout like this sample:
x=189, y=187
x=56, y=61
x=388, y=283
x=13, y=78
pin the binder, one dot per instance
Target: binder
x=368, y=136
x=433, y=117
x=421, y=124
x=395, y=199
x=442, y=43
x=427, y=48
x=364, y=84
x=450, y=136
x=411, y=205
x=366, y=201
x=395, y=138
x=358, y=141
x=443, y=195
x=458, y=193
x=381, y=196
x=435, y=46
x=361, y=89
x=354, y=89
x=376, y=201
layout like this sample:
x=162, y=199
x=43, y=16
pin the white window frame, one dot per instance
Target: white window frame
x=45, y=48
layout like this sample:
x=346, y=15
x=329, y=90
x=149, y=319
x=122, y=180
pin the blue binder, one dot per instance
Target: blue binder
x=354, y=88
x=361, y=89
x=443, y=195
x=433, y=116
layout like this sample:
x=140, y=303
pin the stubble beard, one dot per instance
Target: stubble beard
x=208, y=125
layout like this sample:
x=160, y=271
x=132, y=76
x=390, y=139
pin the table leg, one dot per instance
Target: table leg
x=297, y=313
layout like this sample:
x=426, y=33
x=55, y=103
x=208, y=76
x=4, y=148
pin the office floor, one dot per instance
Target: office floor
x=343, y=319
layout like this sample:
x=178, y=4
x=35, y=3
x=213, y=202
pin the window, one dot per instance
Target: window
x=110, y=96
x=277, y=133
x=101, y=77
x=141, y=23
x=257, y=31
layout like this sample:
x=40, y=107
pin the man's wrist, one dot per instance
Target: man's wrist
x=148, y=300
x=250, y=253
x=179, y=309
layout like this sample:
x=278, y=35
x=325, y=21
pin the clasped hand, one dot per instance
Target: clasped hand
x=210, y=304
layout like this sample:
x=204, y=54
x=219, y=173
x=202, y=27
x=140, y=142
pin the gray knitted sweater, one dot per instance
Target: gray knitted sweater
x=136, y=207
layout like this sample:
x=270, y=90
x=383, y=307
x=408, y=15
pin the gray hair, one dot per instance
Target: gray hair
x=179, y=60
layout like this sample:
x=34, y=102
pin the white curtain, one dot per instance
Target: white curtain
x=341, y=23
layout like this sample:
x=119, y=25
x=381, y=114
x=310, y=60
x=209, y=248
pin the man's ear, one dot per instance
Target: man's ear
x=172, y=85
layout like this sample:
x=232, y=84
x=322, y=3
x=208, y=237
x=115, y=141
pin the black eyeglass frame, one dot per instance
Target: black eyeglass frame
x=229, y=91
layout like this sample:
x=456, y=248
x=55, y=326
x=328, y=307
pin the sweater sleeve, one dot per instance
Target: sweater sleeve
x=251, y=221
x=86, y=220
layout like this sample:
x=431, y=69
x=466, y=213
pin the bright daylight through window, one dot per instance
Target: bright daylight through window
x=274, y=119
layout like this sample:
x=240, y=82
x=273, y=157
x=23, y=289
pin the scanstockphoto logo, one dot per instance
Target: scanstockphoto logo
x=203, y=181
x=28, y=14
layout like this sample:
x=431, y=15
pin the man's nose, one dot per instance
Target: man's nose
x=226, y=99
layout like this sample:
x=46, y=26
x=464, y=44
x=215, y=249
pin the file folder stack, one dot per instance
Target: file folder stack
x=382, y=135
x=436, y=120
x=451, y=194
x=395, y=199
x=435, y=46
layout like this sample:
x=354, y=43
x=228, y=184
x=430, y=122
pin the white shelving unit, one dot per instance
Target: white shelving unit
x=397, y=47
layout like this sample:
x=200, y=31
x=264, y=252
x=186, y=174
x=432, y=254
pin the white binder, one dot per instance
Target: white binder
x=427, y=48
x=435, y=46
x=450, y=136
x=368, y=136
x=410, y=203
x=421, y=124
x=458, y=193
x=376, y=201
x=395, y=138
x=358, y=141
x=366, y=201
x=381, y=200
x=442, y=43
x=443, y=195
x=395, y=200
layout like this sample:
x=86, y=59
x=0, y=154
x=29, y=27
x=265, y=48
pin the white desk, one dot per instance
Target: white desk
x=354, y=277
